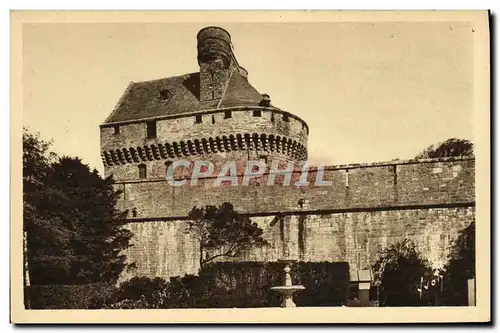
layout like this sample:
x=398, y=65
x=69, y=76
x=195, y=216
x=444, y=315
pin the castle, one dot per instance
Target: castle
x=217, y=115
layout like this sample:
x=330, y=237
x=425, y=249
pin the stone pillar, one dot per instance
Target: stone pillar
x=471, y=292
x=364, y=293
x=291, y=237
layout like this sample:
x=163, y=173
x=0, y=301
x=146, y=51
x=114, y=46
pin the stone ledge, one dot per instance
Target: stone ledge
x=463, y=204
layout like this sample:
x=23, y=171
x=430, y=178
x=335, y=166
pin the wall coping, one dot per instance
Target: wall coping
x=400, y=162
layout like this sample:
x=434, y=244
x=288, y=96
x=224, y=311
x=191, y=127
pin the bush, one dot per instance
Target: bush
x=399, y=271
x=237, y=285
x=86, y=296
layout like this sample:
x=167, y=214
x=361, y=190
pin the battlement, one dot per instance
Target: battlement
x=239, y=134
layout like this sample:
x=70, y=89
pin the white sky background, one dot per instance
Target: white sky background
x=369, y=91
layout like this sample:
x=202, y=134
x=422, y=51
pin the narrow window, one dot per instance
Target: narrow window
x=227, y=114
x=257, y=113
x=213, y=94
x=272, y=117
x=285, y=117
x=117, y=129
x=213, y=119
x=347, y=178
x=142, y=171
x=197, y=119
x=167, y=165
x=151, y=129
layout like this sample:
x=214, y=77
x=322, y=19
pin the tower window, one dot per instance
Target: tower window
x=285, y=117
x=142, y=171
x=257, y=113
x=151, y=129
x=167, y=165
x=117, y=129
x=227, y=114
x=197, y=119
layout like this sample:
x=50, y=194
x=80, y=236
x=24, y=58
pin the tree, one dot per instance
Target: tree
x=74, y=233
x=461, y=266
x=46, y=237
x=88, y=208
x=448, y=148
x=223, y=229
x=399, y=271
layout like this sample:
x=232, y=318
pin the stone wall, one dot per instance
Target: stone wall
x=367, y=208
x=377, y=185
x=164, y=248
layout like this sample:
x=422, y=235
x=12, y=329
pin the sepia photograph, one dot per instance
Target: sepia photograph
x=270, y=166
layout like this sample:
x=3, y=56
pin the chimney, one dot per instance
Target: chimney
x=216, y=61
x=266, y=100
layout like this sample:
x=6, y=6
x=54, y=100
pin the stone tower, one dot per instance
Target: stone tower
x=214, y=114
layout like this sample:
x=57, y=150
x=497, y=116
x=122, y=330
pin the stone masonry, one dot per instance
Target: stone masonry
x=216, y=115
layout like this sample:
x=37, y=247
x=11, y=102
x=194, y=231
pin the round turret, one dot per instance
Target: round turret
x=215, y=115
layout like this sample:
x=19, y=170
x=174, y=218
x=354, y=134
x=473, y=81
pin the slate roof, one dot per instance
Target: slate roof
x=142, y=99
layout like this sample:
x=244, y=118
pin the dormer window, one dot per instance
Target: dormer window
x=165, y=94
x=151, y=129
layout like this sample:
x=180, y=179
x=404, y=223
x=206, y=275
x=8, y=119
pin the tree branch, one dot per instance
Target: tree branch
x=226, y=254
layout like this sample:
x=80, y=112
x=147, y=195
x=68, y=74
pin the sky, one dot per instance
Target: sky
x=369, y=92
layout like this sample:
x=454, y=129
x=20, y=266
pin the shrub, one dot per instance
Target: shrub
x=399, y=270
x=86, y=296
x=237, y=285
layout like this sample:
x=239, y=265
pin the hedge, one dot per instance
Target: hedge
x=238, y=285
x=86, y=296
x=218, y=285
x=248, y=284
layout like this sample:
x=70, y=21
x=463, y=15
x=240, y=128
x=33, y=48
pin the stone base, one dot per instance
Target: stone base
x=288, y=302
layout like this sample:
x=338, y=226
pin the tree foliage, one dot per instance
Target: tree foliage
x=74, y=232
x=461, y=266
x=449, y=148
x=399, y=271
x=224, y=231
